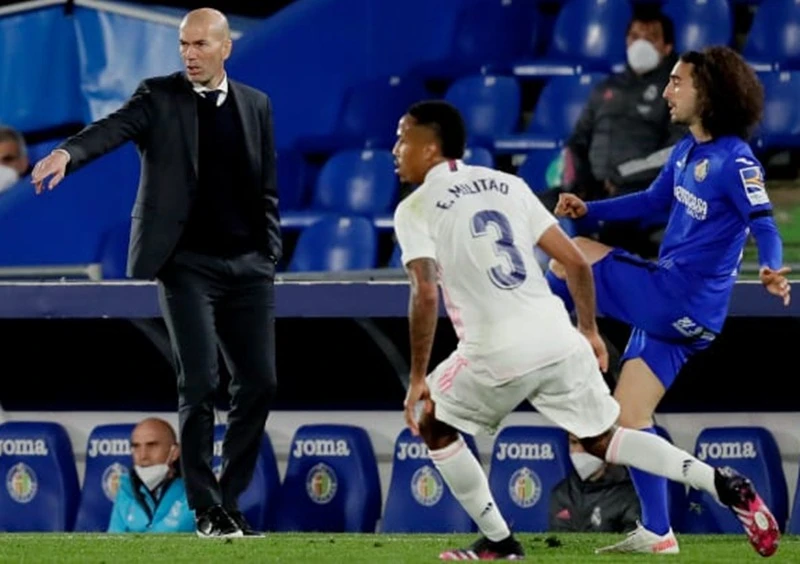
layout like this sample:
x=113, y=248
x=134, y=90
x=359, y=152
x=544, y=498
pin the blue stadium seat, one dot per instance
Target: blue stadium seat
x=294, y=178
x=395, y=260
x=331, y=483
x=259, y=502
x=361, y=182
x=108, y=456
x=780, y=125
x=537, y=169
x=478, y=156
x=351, y=182
x=27, y=104
x=589, y=36
x=751, y=451
x=676, y=493
x=368, y=115
x=700, y=23
x=488, y=34
x=67, y=225
x=113, y=252
x=793, y=528
x=38, y=151
x=490, y=106
x=773, y=41
x=527, y=462
x=418, y=500
x=336, y=243
x=37, y=465
x=557, y=111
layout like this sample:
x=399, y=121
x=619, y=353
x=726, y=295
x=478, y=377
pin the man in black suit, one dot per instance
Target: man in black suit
x=205, y=225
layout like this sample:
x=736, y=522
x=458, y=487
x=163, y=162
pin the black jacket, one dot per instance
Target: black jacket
x=161, y=119
x=608, y=505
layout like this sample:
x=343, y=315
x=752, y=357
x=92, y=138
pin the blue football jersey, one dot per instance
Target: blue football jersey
x=716, y=189
x=713, y=190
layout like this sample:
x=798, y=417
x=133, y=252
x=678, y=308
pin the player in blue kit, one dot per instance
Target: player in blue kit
x=713, y=188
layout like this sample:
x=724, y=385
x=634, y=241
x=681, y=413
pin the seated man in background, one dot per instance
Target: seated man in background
x=151, y=497
x=624, y=133
x=14, y=162
x=596, y=497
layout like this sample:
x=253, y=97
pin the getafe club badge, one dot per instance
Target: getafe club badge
x=110, y=480
x=321, y=483
x=525, y=487
x=426, y=486
x=701, y=170
x=21, y=483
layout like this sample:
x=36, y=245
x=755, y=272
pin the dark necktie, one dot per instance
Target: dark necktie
x=212, y=96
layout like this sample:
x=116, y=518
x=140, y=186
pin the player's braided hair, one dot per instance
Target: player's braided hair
x=730, y=98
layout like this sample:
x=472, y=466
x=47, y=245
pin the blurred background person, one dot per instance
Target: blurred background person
x=14, y=162
x=624, y=134
x=151, y=496
x=596, y=497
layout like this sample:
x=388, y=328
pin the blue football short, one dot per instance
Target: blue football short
x=651, y=299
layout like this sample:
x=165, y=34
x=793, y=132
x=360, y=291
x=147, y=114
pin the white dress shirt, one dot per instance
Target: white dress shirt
x=223, y=88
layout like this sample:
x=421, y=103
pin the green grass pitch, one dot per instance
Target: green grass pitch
x=354, y=548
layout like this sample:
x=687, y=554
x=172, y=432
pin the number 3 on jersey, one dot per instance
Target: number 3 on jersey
x=500, y=275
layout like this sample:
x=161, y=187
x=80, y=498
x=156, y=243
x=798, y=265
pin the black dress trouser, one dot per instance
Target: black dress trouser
x=209, y=302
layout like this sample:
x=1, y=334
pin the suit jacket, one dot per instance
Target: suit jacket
x=161, y=119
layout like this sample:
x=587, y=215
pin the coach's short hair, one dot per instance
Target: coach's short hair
x=730, y=97
x=446, y=122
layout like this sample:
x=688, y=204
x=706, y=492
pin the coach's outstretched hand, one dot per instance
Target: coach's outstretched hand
x=570, y=205
x=776, y=283
x=55, y=165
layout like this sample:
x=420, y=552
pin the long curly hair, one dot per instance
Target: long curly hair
x=730, y=97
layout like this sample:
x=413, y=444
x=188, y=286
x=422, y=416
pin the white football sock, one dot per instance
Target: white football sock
x=656, y=455
x=464, y=475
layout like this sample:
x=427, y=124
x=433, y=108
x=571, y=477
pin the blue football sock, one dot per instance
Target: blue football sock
x=560, y=289
x=652, y=491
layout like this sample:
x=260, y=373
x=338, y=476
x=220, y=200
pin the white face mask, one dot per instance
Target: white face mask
x=643, y=56
x=585, y=464
x=8, y=177
x=154, y=475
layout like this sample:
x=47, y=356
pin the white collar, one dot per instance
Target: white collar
x=445, y=167
x=223, y=86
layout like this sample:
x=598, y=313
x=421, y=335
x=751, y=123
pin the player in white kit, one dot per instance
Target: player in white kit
x=473, y=229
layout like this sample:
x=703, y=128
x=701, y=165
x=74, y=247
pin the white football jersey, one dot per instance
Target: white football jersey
x=481, y=227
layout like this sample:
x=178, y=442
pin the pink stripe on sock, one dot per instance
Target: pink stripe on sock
x=447, y=452
x=613, y=446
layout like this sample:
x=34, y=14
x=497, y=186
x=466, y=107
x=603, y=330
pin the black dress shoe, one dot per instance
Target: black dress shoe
x=241, y=522
x=216, y=523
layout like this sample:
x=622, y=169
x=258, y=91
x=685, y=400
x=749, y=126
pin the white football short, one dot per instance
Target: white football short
x=571, y=393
